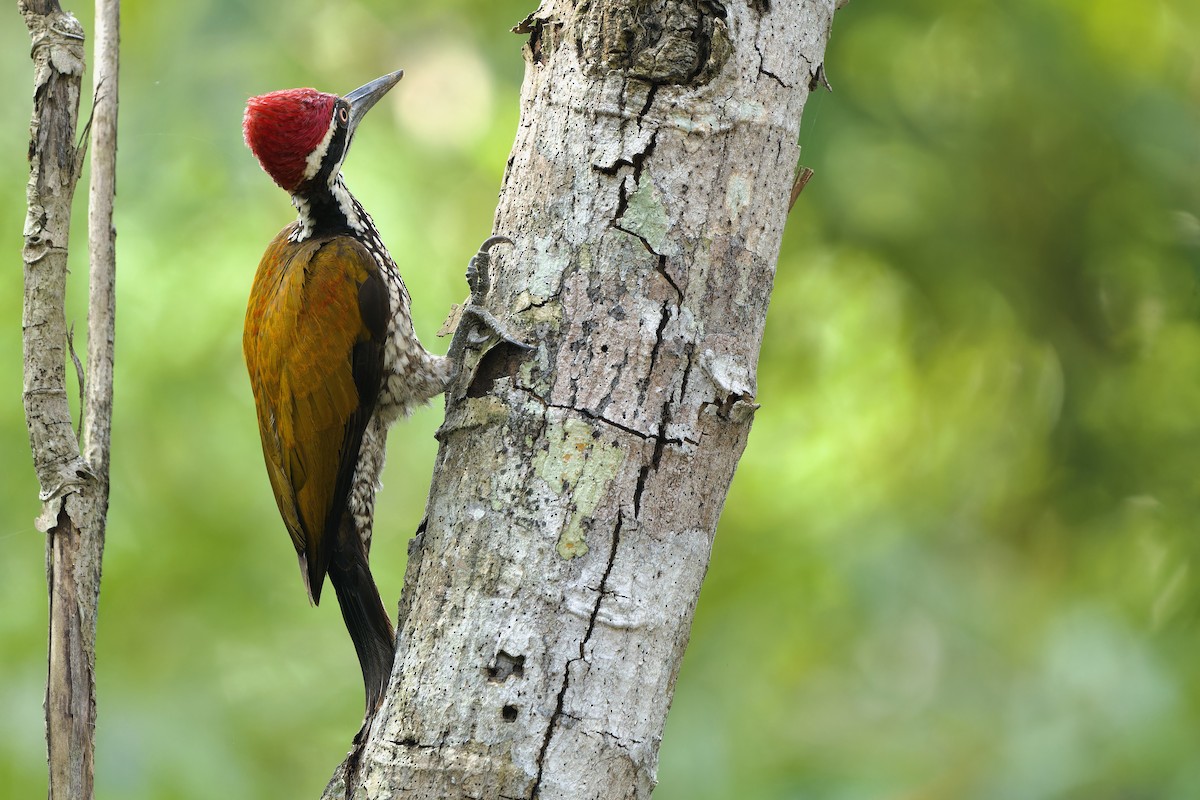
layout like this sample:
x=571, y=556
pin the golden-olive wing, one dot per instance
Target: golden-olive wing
x=313, y=342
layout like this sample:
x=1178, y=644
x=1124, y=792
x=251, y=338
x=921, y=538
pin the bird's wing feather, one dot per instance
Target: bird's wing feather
x=314, y=348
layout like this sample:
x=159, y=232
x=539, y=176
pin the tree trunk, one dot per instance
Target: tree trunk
x=550, y=588
x=74, y=481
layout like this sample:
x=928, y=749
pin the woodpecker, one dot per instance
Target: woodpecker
x=332, y=355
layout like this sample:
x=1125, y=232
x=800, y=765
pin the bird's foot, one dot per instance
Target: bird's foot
x=476, y=330
x=488, y=326
x=480, y=281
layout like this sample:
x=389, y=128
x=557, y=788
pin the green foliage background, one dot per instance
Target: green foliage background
x=957, y=559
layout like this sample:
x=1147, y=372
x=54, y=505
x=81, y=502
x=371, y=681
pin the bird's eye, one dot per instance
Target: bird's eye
x=343, y=115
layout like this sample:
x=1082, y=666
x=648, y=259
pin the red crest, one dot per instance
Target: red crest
x=282, y=128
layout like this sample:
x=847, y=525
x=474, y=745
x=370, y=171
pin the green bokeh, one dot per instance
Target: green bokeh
x=956, y=560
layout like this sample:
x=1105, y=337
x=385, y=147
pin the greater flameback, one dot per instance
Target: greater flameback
x=332, y=355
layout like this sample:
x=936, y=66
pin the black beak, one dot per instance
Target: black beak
x=364, y=97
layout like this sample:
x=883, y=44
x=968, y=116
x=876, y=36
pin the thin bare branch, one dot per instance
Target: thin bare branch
x=97, y=427
x=73, y=489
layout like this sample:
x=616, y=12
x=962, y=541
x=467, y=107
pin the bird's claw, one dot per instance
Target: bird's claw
x=478, y=278
x=488, y=327
x=478, y=333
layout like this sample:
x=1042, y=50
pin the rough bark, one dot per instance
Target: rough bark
x=550, y=588
x=73, y=482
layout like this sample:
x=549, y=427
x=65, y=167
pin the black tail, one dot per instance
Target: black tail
x=366, y=619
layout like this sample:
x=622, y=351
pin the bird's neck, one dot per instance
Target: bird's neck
x=328, y=208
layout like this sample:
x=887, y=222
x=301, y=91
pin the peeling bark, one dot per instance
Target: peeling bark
x=551, y=587
x=74, y=481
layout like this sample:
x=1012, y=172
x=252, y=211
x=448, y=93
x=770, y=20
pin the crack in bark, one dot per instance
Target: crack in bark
x=638, y=236
x=658, y=342
x=413, y=744
x=604, y=402
x=662, y=270
x=599, y=418
x=592, y=415
x=661, y=440
x=545, y=301
x=650, y=93
x=762, y=70
x=562, y=692
x=643, y=474
x=769, y=74
x=689, y=354
x=638, y=162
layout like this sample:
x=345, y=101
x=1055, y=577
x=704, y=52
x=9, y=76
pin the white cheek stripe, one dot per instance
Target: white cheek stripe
x=313, y=164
